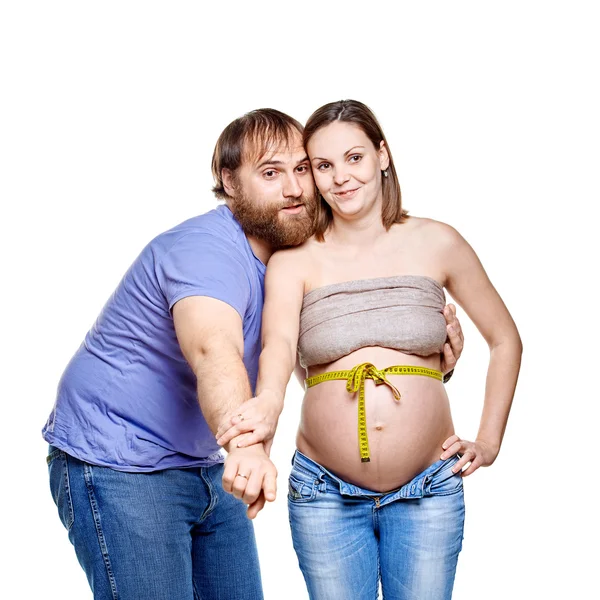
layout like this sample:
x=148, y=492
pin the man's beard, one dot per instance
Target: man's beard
x=270, y=225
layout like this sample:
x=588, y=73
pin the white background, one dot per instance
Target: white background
x=109, y=114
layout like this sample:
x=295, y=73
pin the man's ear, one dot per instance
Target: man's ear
x=384, y=157
x=228, y=182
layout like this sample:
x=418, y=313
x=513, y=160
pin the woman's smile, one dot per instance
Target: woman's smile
x=346, y=194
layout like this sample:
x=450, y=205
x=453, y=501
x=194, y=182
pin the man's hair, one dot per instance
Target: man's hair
x=359, y=114
x=249, y=138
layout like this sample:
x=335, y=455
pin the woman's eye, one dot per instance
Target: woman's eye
x=355, y=158
x=323, y=166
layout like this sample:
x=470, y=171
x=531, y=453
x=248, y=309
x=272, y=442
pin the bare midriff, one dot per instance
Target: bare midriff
x=405, y=437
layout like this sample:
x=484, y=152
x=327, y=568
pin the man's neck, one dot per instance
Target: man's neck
x=261, y=249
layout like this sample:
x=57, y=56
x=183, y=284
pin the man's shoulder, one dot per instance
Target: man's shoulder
x=216, y=226
x=218, y=221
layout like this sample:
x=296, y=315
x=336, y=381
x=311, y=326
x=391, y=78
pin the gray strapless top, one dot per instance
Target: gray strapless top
x=403, y=312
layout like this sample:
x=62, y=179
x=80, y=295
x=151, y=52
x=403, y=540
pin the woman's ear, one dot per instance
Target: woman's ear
x=384, y=157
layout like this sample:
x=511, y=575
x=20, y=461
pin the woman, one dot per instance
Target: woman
x=378, y=498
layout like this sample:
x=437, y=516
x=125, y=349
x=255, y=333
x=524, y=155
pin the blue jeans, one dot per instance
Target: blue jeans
x=167, y=535
x=349, y=540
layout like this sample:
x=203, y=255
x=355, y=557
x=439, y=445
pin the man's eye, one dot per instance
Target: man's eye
x=269, y=174
x=302, y=169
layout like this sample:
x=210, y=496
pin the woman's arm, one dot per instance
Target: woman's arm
x=284, y=292
x=469, y=285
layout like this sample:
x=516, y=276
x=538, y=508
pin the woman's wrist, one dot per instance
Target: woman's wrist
x=493, y=445
x=272, y=396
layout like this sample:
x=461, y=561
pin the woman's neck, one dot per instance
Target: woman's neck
x=361, y=231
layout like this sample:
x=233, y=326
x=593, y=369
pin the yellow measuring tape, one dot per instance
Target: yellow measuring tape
x=355, y=382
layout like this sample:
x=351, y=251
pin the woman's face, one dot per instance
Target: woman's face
x=347, y=168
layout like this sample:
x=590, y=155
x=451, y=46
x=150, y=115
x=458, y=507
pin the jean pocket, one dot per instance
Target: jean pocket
x=58, y=470
x=445, y=482
x=301, y=491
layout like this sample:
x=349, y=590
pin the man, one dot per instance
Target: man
x=134, y=466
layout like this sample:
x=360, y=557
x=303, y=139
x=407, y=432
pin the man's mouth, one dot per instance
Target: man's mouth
x=293, y=209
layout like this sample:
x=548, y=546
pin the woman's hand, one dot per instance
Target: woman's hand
x=256, y=417
x=478, y=453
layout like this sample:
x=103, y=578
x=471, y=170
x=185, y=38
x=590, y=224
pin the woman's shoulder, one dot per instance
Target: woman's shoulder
x=431, y=231
x=296, y=258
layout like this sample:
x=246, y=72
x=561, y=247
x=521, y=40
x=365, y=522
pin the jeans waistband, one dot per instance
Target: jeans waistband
x=418, y=487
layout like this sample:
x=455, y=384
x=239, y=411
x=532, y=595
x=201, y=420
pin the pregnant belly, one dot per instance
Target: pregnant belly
x=404, y=437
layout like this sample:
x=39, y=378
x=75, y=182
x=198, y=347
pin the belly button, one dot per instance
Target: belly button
x=379, y=427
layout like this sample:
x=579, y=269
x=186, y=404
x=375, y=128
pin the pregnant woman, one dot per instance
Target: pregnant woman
x=376, y=487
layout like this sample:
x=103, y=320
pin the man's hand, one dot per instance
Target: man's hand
x=454, y=347
x=250, y=476
x=258, y=415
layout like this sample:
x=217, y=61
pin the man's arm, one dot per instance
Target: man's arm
x=210, y=335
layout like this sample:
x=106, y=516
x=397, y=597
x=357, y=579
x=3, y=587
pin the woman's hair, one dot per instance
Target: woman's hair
x=249, y=138
x=359, y=114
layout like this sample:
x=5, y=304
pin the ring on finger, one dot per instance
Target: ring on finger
x=241, y=475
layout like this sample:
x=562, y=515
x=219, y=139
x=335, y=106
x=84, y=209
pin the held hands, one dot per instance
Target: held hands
x=454, y=347
x=251, y=477
x=256, y=418
x=477, y=453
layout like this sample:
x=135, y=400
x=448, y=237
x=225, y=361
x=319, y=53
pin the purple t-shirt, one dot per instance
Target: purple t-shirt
x=128, y=398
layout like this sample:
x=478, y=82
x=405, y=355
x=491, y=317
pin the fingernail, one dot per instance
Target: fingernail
x=450, y=329
x=219, y=442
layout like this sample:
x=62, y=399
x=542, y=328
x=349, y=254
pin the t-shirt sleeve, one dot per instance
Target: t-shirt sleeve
x=204, y=264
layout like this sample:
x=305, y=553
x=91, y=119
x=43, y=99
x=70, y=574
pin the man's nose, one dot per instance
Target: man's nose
x=292, y=187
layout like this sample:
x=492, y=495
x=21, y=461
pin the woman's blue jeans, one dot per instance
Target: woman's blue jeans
x=348, y=539
x=167, y=535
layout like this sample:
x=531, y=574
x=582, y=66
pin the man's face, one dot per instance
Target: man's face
x=273, y=196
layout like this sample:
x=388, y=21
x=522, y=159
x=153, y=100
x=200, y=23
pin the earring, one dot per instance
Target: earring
x=385, y=174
